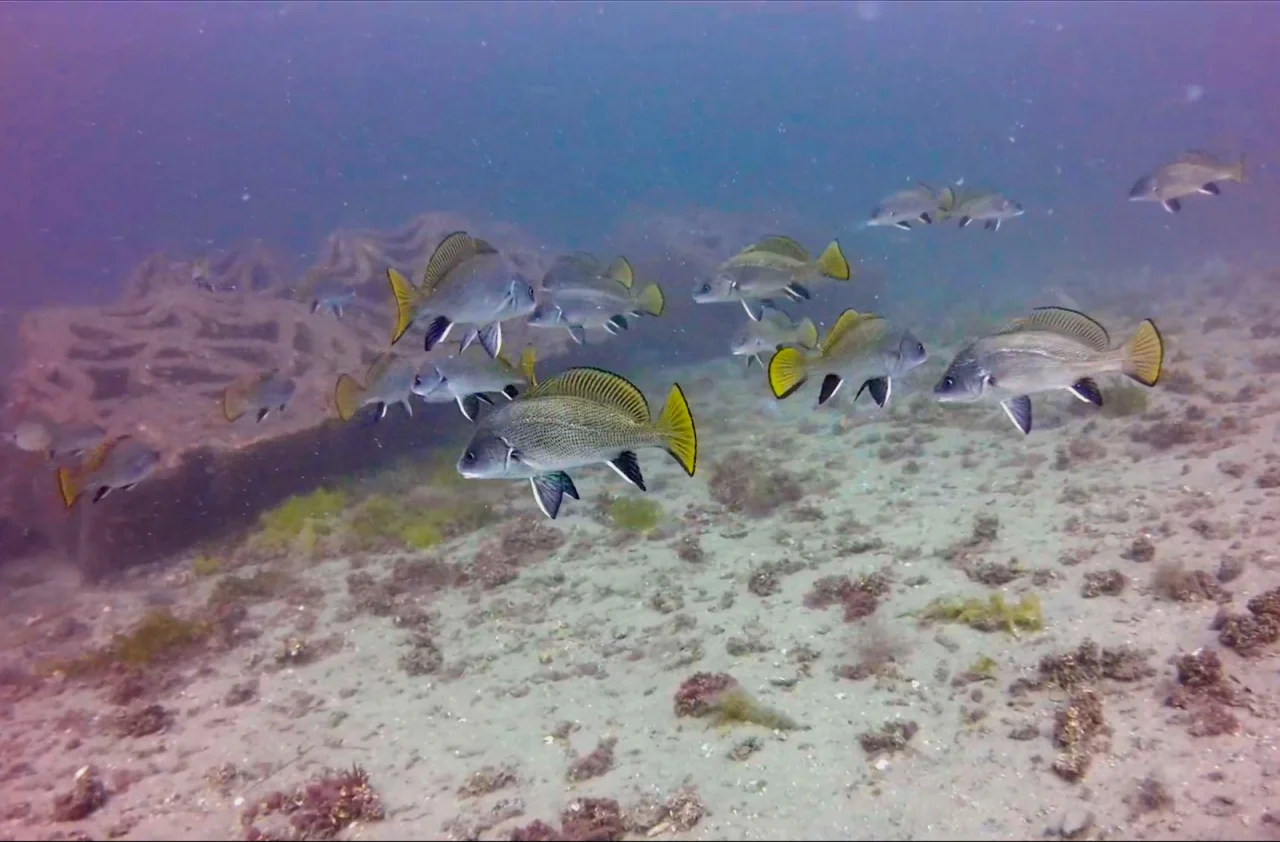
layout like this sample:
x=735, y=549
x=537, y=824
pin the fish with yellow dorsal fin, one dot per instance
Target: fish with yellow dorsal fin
x=774, y=330
x=583, y=294
x=389, y=380
x=585, y=416
x=862, y=347
x=1053, y=348
x=468, y=377
x=120, y=463
x=466, y=282
x=774, y=266
x=259, y=395
x=917, y=204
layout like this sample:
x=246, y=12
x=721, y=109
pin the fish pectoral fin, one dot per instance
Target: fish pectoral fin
x=1171, y=205
x=616, y=324
x=549, y=491
x=578, y=334
x=797, y=292
x=481, y=396
x=102, y=491
x=469, y=337
x=964, y=220
x=263, y=413
x=903, y=224
x=992, y=225
x=408, y=407
x=437, y=331
x=510, y=392
x=490, y=337
x=470, y=406
x=1086, y=390
x=756, y=358
x=755, y=309
x=879, y=387
x=1019, y=411
x=926, y=219
x=1210, y=189
x=628, y=467
x=830, y=385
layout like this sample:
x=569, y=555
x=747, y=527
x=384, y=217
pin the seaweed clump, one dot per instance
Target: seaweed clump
x=299, y=523
x=1248, y=634
x=744, y=486
x=991, y=614
x=318, y=810
x=383, y=521
x=721, y=697
x=1075, y=726
x=859, y=598
x=158, y=636
x=634, y=514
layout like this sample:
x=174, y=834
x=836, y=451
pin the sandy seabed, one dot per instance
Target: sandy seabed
x=1144, y=708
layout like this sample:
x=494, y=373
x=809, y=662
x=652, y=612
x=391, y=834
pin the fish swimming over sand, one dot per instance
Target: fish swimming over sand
x=53, y=440
x=1053, y=348
x=468, y=378
x=1193, y=173
x=120, y=463
x=465, y=282
x=202, y=275
x=259, y=395
x=389, y=380
x=991, y=209
x=860, y=346
x=582, y=417
x=773, y=330
x=918, y=204
x=773, y=266
x=333, y=301
x=577, y=310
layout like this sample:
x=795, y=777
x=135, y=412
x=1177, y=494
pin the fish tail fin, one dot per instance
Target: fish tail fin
x=406, y=298
x=808, y=336
x=69, y=486
x=675, y=423
x=528, y=358
x=833, y=264
x=1144, y=354
x=650, y=301
x=1237, y=174
x=788, y=369
x=347, y=394
x=233, y=403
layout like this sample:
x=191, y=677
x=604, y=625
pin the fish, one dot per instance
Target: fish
x=120, y=463
x=202, y=274
x=334, y=301
x=576, y=310
x=990, y=209
x=774, y=266
x=905, y=208
x=467, y=378
x=389, y=380
x=1053, y=348
x=773, y=330
x=466, y=282
x=259, y=395
x=581, y=417
x=582, y=272
x=1194, y=172
x=859, y=346
x=53, y=440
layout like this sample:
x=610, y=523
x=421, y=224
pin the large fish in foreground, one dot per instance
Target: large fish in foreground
x=465, y=282
x=774, y=266
x=774, y=330
x=1053, y=348
x=259, y=395
x=468, y=378
x=860, y=346
x=389, y=380
x=1193, y=173
x=582, y=417
x=121, y=463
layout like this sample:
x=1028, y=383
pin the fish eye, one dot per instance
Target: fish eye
x=469, y=456
x=948, y=381
x=919, y=347
x=529, y=289
x=705, y=288
x=989, y=380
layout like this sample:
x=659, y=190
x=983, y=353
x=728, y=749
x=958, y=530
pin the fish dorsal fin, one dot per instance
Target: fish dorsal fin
x=596, y=384
x=620, y=270
x=785, y=246
x=848, y=320
x=1065, y=322
x=1198, y=156
x=99, y=454
x=450, y=254
x=583, y=258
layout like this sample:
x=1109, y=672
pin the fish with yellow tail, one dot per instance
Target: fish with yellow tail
x=259, y=395
x=53, y=440
x=468, y=378
x=120, y=463
x=1053, y=348
x=388, y=381
x=774, y=330
x=862, y=347
x=774, y=266
x=584, y=416
x=466, y=282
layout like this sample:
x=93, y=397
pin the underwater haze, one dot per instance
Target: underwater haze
x=624, y=420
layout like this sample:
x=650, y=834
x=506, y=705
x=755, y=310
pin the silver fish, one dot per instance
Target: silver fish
x=389, y=380
x=773, y=330
x=912, y=206
x=468, y=378
x=991, y=209
x=53, y=440
x=861, y=347
x=120, y=463
x=1193, y=173
x=774, y=266
x=585, y=416
x=258, y=395
x=466, y=282
x=1053, y=348
x=333, y=301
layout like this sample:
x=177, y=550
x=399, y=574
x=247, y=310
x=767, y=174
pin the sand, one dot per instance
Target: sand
x=591, y=640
